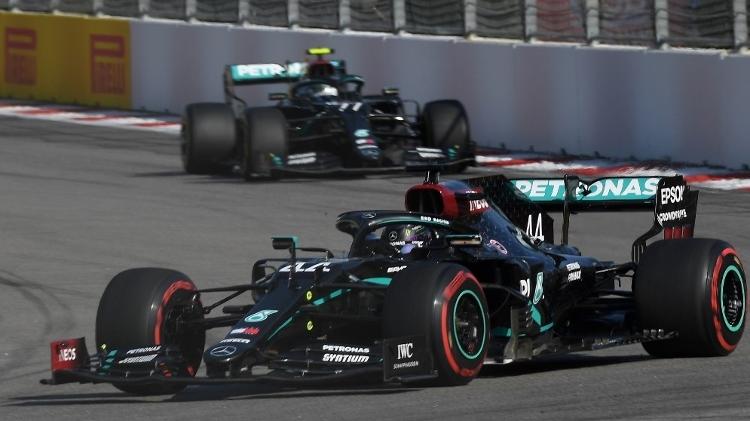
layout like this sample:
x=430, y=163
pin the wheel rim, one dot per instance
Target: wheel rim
x=190, y=343
x=469, y=325
x=732, y=291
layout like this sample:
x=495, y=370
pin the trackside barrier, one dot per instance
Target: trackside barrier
x=65, y=59
x=686, y=105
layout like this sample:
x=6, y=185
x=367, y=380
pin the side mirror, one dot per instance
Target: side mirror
x=277, y=96
x=464, y=240
x=390, y=91
x=284, y=243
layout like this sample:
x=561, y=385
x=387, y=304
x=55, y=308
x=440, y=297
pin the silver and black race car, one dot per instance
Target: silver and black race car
x=324, y=125
x=462, y=278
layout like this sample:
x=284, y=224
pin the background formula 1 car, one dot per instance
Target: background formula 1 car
x=429, y=295
x=324, y=125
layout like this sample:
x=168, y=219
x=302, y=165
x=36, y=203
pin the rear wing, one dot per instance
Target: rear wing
x=264, y=74
x=527, y=202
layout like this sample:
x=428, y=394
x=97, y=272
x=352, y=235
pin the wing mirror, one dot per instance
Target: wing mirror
x=390, y=91
x=284, y=243
x=277, y=96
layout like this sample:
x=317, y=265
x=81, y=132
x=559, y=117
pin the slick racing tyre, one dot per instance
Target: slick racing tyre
x=266, y=141
x=144, y=307
x=209, y=135
x=446, y=304
x=447, y=127
x=695, y=287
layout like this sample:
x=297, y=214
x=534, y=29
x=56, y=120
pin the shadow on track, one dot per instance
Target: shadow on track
x=556, y=363
x=203, y=393
x=268, y=391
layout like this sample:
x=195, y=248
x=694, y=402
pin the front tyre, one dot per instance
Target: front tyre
x=695, y=287
x=145, y=307
x=445, y=303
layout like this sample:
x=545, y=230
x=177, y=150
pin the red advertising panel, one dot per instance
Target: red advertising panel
x=108, y=64
x=20, y=56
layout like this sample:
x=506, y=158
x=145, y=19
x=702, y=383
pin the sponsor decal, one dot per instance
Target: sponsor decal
x=139, y=359
x=259, y=316
x=302, y=158
x=345, y=348
x=671, y=194
x=435, y=220
x=574, y=271
x=525, y=287
x=20, y=56
x=405, y=351
x=345, y=358
x=257, y=71
x=638, y=188
x=395, y=269
x=539, y=291
x=663, y=217
x=142, y=350
x=361, y=133
x=393, y=236
x=497, y=246
x=223, y=351
x=300, y=267
x=478, y=205
x=534, y=230
x=252, y=331
x=235, y=340
x=66, y=354
x=108, y=73
x=366, y=143
x=369, y=215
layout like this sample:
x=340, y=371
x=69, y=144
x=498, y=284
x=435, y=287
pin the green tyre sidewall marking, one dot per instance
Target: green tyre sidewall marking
x=732, y=268
x=484, y=325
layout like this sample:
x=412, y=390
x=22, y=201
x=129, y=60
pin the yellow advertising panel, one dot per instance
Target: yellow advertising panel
x=67, y=59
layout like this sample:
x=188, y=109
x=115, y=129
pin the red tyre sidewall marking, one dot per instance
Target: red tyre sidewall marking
x=176, y=286
x=448, y=293
x=718, y=328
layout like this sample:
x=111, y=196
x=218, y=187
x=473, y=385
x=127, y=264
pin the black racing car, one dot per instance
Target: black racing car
x=430, y=294
x=324, y=125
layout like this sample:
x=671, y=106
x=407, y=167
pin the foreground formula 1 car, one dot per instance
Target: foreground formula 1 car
x=323, y=126
x=429, y=295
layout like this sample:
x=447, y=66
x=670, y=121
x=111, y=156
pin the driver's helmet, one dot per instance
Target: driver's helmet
x=318, y=90
x=320, y=70
x=406, y=238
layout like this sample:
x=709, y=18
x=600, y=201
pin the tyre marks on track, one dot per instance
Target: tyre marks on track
x=52, y=315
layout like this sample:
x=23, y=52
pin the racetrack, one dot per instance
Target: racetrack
x=78, y=204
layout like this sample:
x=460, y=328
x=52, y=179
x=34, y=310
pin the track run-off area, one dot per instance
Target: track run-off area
x=80, y=203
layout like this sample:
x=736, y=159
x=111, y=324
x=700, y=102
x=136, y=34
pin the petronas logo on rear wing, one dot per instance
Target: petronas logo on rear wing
x=604, y=189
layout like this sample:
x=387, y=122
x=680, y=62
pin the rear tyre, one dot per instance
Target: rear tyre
x=266, y=141
x=447, y=127
x=445, y=303
x=209, y=135
x=695, y=287
x=143, y=307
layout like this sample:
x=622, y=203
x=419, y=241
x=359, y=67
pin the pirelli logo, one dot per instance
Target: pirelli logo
x=108, y=73
x=20, y=56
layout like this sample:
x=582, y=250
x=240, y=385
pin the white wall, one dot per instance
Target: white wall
x=689, y=106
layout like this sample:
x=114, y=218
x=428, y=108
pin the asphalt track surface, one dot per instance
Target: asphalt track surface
x=78, y=204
